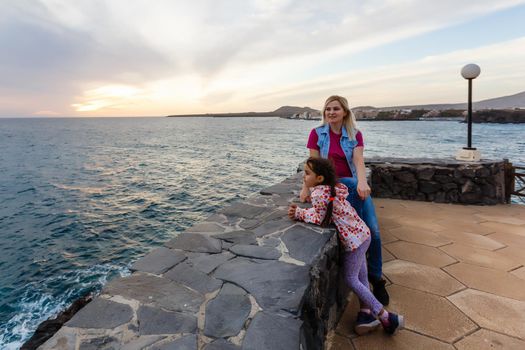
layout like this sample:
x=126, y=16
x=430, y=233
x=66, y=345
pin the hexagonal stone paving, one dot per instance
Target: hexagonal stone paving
x=418, y=235
x=485, y=339
x=419, y=253
x=421, y=277
x=402, y=340
x=488, y=280
x=500, y=314
x=480, y=257
x=429, y=314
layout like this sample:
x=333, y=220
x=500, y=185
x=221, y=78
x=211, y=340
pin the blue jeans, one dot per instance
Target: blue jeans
x=366, y=211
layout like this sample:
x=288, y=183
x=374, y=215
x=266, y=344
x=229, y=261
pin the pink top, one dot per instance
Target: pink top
x=335, y=153
x=351, y=229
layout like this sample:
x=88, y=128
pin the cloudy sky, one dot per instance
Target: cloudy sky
x=160, y=57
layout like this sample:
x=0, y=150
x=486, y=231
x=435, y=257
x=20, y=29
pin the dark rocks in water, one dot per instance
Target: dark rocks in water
x=48, y=328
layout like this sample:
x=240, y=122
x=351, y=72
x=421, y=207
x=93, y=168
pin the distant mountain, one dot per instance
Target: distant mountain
x=505, y=102
x=291, y=110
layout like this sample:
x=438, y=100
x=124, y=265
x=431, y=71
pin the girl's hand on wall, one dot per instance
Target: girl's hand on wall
x=363, y=189
x=291, y=211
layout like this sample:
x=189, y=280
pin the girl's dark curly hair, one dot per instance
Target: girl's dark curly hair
x=325, y=168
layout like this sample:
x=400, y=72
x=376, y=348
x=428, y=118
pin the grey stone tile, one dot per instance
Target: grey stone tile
x=274, y=284
x=207, y=227
x=270, y=331
x=157, y=291
x=208, y=262
x=273, y=226
x=304, y=244
x=227, y=312
x=141, y=342
x=254, y=251
x=156, y=321
x=244, y=210
x=189, y=276
x=238, y=237
x=101, y=313
x=221, y=344
x=195, y=242
x=186, y=342
x=101, y=343
x=158, y=261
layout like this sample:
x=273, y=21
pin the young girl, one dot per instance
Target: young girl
x=330, y=205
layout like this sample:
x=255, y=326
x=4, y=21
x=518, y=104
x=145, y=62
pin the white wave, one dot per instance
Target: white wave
x=35, y=306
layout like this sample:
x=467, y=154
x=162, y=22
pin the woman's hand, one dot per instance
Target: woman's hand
x=291, y=211
x=304, y=196
x=363, y=190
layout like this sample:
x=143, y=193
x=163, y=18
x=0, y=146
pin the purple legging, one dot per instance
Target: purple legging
x=356, y=277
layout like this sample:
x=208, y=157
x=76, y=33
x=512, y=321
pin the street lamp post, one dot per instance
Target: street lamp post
x=469, y=153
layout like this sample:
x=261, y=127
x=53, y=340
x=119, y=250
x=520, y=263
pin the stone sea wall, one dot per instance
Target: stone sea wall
x=438, y=180
x=246, y=278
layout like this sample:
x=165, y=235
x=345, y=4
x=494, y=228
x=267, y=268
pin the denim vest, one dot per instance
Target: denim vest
x=347, y=144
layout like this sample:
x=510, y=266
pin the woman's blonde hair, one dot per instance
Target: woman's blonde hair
x=349, y=121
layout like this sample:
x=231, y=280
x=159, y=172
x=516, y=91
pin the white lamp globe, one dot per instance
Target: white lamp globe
x=470, y=71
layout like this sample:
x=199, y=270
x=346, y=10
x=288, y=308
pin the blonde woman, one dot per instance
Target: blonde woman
x=339, y=140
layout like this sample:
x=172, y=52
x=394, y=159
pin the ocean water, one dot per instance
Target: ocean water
x=81, y=199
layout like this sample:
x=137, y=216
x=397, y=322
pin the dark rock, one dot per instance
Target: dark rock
x=271, y=242
x=156, y=321
x=425, y=173
x=429, y=186
x=221, y=344
x=186, y=342
x=270, y=331
x=275, y=285
x=254, y=251
x=195, y=242
x=483, y=172
x=157, y=291
x=102, y=343
x=48, y=328
x=189, y=276
x=443, y=178
x=227, y=312
x=244, y=211
x=208, y=262
x=440, y=197
x=159, y=260
x=102, y=313
x=304, y=244
x=468, y=187
x=405, y=176
x=468, y=172
x=449, y=186
x=238, y=237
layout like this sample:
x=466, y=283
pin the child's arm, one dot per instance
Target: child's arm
x=314, y=215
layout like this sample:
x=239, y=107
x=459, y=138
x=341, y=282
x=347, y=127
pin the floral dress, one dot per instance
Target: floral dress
x=351, y=229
